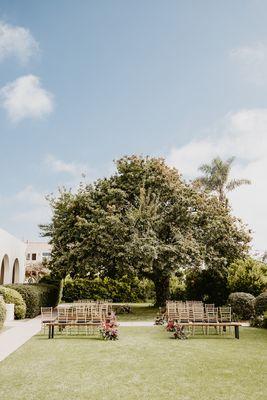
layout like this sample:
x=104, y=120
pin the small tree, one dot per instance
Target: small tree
x=248, y=275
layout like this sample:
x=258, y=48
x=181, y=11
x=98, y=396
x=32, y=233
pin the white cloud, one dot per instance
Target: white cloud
x=22, y=212
x=31, y=196
x=74, y=169
x=252, y=62
x=16, y=41
x=244, y=135
x=26, y=98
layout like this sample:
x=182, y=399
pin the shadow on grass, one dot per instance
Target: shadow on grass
x=69, y=337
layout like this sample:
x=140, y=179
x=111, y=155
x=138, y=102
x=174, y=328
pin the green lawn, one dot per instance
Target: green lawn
x=140, y=312
x=144, y=364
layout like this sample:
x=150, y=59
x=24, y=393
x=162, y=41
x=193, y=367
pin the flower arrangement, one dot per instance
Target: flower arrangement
x=170, y=326
x=179, y=332
x=109, y=331
x=159, y=320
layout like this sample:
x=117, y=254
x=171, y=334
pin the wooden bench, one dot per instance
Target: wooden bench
x=236, y=325
x=51, y=326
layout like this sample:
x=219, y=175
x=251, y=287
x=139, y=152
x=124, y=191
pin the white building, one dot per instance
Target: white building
x=12, y=259
x=37, y=252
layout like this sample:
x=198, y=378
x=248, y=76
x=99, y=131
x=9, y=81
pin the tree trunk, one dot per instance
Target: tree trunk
x=162, y=289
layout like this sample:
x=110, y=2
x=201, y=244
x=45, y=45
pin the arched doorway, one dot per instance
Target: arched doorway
x=15, y=272
x=4, y=270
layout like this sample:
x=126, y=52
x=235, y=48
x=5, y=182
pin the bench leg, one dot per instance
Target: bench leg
x=49, y=332
x=237, y=332
x=53, y=331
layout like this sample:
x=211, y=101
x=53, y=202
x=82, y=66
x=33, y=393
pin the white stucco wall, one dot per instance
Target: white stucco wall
x=12, y=249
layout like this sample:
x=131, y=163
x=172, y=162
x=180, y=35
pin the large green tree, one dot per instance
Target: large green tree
x=144, y=220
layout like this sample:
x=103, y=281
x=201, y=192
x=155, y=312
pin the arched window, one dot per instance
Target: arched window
x=4, y=270
x=15, y=272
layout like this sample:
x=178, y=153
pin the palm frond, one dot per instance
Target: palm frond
x=234, y=183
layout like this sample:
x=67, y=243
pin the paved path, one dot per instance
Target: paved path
x=16, y=334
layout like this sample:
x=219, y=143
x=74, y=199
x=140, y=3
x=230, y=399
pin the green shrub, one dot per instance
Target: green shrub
x=256, y=321
x=124, y=290
x=2, y=313
x=208, y=285
x=248, y=275
x=242, y=305
x=51, y=280
x=260, y=303
x=264, y=325
x=37, y=296
x=14, y=297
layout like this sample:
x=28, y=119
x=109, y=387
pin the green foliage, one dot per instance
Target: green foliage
x=13, y=296
x=145, y=221
x=123, y=290
x=208, y=285
x=55, y=281
x=264, y=325
x=37, y=296
x=177, y=288
x=242, y=305
x=247, y=275
x=260, y=303
x=2, y=313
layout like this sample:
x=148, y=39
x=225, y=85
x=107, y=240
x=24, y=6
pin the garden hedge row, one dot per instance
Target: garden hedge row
x=242, y=305
x=12, y=296
x=2, y=313
x=124, y=290
x=37, y=296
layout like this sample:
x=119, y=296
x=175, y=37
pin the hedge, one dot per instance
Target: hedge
x=260, y=303
x=124, y=290
x=13, y=296
x=37, y=296
x=2, y=313
x=242, y=304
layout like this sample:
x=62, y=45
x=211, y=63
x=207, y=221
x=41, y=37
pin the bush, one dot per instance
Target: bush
x=260, y=303
x=242, y=305
x=37, y=296
x=208, y=285
x=248, y=276
x=51, y=280
x=259, y=321
x=14, y=297
x=124, y=290
x=2, y=313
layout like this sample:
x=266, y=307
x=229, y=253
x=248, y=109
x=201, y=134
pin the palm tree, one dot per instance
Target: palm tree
x=216, y=177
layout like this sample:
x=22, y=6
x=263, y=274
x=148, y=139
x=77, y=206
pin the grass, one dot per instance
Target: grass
x=144, y=364
x=139, y=312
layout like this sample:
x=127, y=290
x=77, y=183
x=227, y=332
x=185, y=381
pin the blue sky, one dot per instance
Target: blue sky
x=84, y=82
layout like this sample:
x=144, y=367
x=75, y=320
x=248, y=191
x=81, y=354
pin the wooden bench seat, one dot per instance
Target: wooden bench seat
x=52, y=325
x=236, y=325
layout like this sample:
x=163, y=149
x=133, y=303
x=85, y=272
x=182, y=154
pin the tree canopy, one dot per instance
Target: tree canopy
x=248, y=275
x=145, y=221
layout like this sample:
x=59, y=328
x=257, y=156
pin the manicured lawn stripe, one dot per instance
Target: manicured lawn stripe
x=144, y=364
